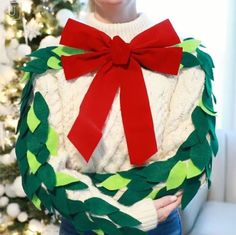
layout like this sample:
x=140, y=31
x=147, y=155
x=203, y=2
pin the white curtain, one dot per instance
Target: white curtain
x=213, y=22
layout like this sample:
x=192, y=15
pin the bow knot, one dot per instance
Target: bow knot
x=115, y=60
x=120, y=51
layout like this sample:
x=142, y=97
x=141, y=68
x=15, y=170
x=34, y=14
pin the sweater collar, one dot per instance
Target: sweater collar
x=127, y=31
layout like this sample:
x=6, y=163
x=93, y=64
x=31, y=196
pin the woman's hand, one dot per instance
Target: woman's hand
x=166, y=204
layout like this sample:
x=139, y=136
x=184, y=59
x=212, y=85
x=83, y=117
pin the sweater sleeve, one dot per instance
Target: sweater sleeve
x=185, y=98
x=143, y=210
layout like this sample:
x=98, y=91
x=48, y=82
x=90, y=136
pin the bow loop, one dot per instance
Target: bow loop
x=118, y=65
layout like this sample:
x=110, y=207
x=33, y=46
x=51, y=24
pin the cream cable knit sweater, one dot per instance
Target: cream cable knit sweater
x=172, y=100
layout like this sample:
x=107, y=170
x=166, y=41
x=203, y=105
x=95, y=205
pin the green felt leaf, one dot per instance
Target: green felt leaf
x=123, y=219
x=63, y=50
x=33, y=163
x=115, y=182
x=158, y=171
x=32, y=120
x=76, y=186
x=177, y=175
x=106, y=225
x=189, y=60
x=30, y=185
x=107, y=191
x=47, y=176
x=153, y=194
x=45, y=198
x=36, y=201
x=129, y=197
x=83, y=223
x=190, y=45
x=132, y=231
x=43, y=155
x=76, y=206
x=40, y=107
x=33, y=144
x=64, y=179
x=52, y=141
x=205, y=109
x=98, y=206
x=201, y=154
x=190, y=141
x=199, y=118
x=25, y=77
x=190, y=190
x=54, y=63
x=98, y=232
x=139, y=185
x=42, y=53
x=60, y=201
x=192, y=170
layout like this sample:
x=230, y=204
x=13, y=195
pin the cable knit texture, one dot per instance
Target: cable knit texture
x=172, y=101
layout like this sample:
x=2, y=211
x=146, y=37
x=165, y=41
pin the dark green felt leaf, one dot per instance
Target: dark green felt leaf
x=200, y=122
x=98, y=206
x=132, y=231
x=158, y=171
x=45, y=198
x=189, y=60
x=76, y=206
x=107, y=226
x=129, y=197
x=43, y=52
x=30, y=185
x=23, y=166
x=60, y=201
x=40, y=107
x=140, y=185
x=190, y=189
x=43, y=154
x=83, y=223
x=123, y=219
x=201, y=154
x=107, y=191
x=47, y=175
x=76, y=186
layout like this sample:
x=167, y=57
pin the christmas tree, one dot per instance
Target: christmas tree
x=25, y=25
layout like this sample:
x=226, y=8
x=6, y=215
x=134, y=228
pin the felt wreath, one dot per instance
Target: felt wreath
x=46, y=188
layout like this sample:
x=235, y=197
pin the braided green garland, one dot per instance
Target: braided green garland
x=46, y=188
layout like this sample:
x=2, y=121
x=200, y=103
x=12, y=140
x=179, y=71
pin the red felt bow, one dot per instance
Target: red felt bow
x=118, y=65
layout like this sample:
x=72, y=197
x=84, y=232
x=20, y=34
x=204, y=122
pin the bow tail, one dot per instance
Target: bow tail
x=136, y=115
x=86, y=131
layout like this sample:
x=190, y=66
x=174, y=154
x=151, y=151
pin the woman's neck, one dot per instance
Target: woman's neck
x=116, y=13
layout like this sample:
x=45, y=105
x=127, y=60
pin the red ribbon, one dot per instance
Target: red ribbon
x=118, y=65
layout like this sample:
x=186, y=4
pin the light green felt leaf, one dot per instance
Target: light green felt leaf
x=63, y=50
x=98, y=231
x=192, y=170
x=64, y=179
x=115, y=182
x=153, y=194
x=36, y=201
x=33, y=163
x=32, y=120
x=25, y=77
x=52, y=141
x=205, y=109
x=190, y=45
x=54, y=63
x=176, y=176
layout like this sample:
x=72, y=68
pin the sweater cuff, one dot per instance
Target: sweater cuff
x=145, y=211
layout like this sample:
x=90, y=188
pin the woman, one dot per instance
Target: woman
x=106, y=174
x=117, y=12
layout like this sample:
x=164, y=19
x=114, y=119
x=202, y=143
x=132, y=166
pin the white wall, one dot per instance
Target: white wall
x=210, y=21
